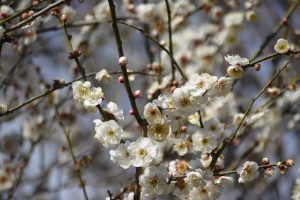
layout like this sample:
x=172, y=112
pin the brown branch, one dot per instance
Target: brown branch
x=118, y=39
x=70, y=147
x=269, y=37
x=46, y=93
x=270, y=56
x=184, y=77
x=170, y=37
x=229, y=140
x=37, y=14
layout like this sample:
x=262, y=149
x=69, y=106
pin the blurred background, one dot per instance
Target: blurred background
x=32, y=141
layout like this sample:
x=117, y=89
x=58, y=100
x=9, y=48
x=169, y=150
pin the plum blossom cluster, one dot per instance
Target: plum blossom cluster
x=89, y=96
x=187, y=118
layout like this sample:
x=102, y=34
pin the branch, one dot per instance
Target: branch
x=269, y=37
x=229, y=140
x=70, y=147
x=31, y=18
x=170, y=37
x=46, y=93
x=273, y=55
x=118, y=39
x=184, y=77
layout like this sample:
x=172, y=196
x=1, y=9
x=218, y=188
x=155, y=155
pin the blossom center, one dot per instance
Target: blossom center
x=142, y=153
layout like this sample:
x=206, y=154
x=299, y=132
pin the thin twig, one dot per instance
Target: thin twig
x=118, y=39
x=273, y=55
x=184, y=77
x=229, y=140
x=31, y=18
x=70, y=147
x=269, y=37
x=46, y=93
x=141, y=122
x=170, y=37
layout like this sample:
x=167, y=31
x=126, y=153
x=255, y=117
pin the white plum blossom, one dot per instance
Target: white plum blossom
x=144, y=151
x=194, y=180
x=81, y=90
x=115, y=111
x=202, y=83
x=147, y=12
x=180, y=147
x=121, y=156
x=236, y=60
x=235, y=71
x=152, y=113
x=204, y=142
x=153, y=182
x=222, y=87
x=159, y=131
x=95, y=96
x=224, y=180
x=248, y=172
x=109, y=133
x=89, y=96
x=282, y=46
x=103, y=75
x=214, y=127
x=178, y=167
x=203, y=193
x=233, y=19
x=101, y=11
x=184, y=101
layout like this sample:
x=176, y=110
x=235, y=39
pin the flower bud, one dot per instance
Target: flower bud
x=137, y=94
x=289, y=163
x=131, y=112
x=30, y=13
x=121, y=79
x=273, y=91
x=123, y=61
x=235, y=71
x=282, y=46
x=24, y=15
x=3, y=108
x=268, y=172
x=265, y=161
x=183, y=129
x=64, y=18
x=292, y=86
x=251, y=15
x=257, y=67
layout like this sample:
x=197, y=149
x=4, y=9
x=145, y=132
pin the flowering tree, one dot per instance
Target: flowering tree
x=157, y=99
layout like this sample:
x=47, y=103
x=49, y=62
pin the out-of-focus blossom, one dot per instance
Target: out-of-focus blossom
x=282, y=46
x=248, y=172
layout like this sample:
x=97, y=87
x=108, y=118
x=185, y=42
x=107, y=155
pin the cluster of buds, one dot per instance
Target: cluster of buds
x=74, y=54
x=268, y=171
x=25, y=15
x=283, y=166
